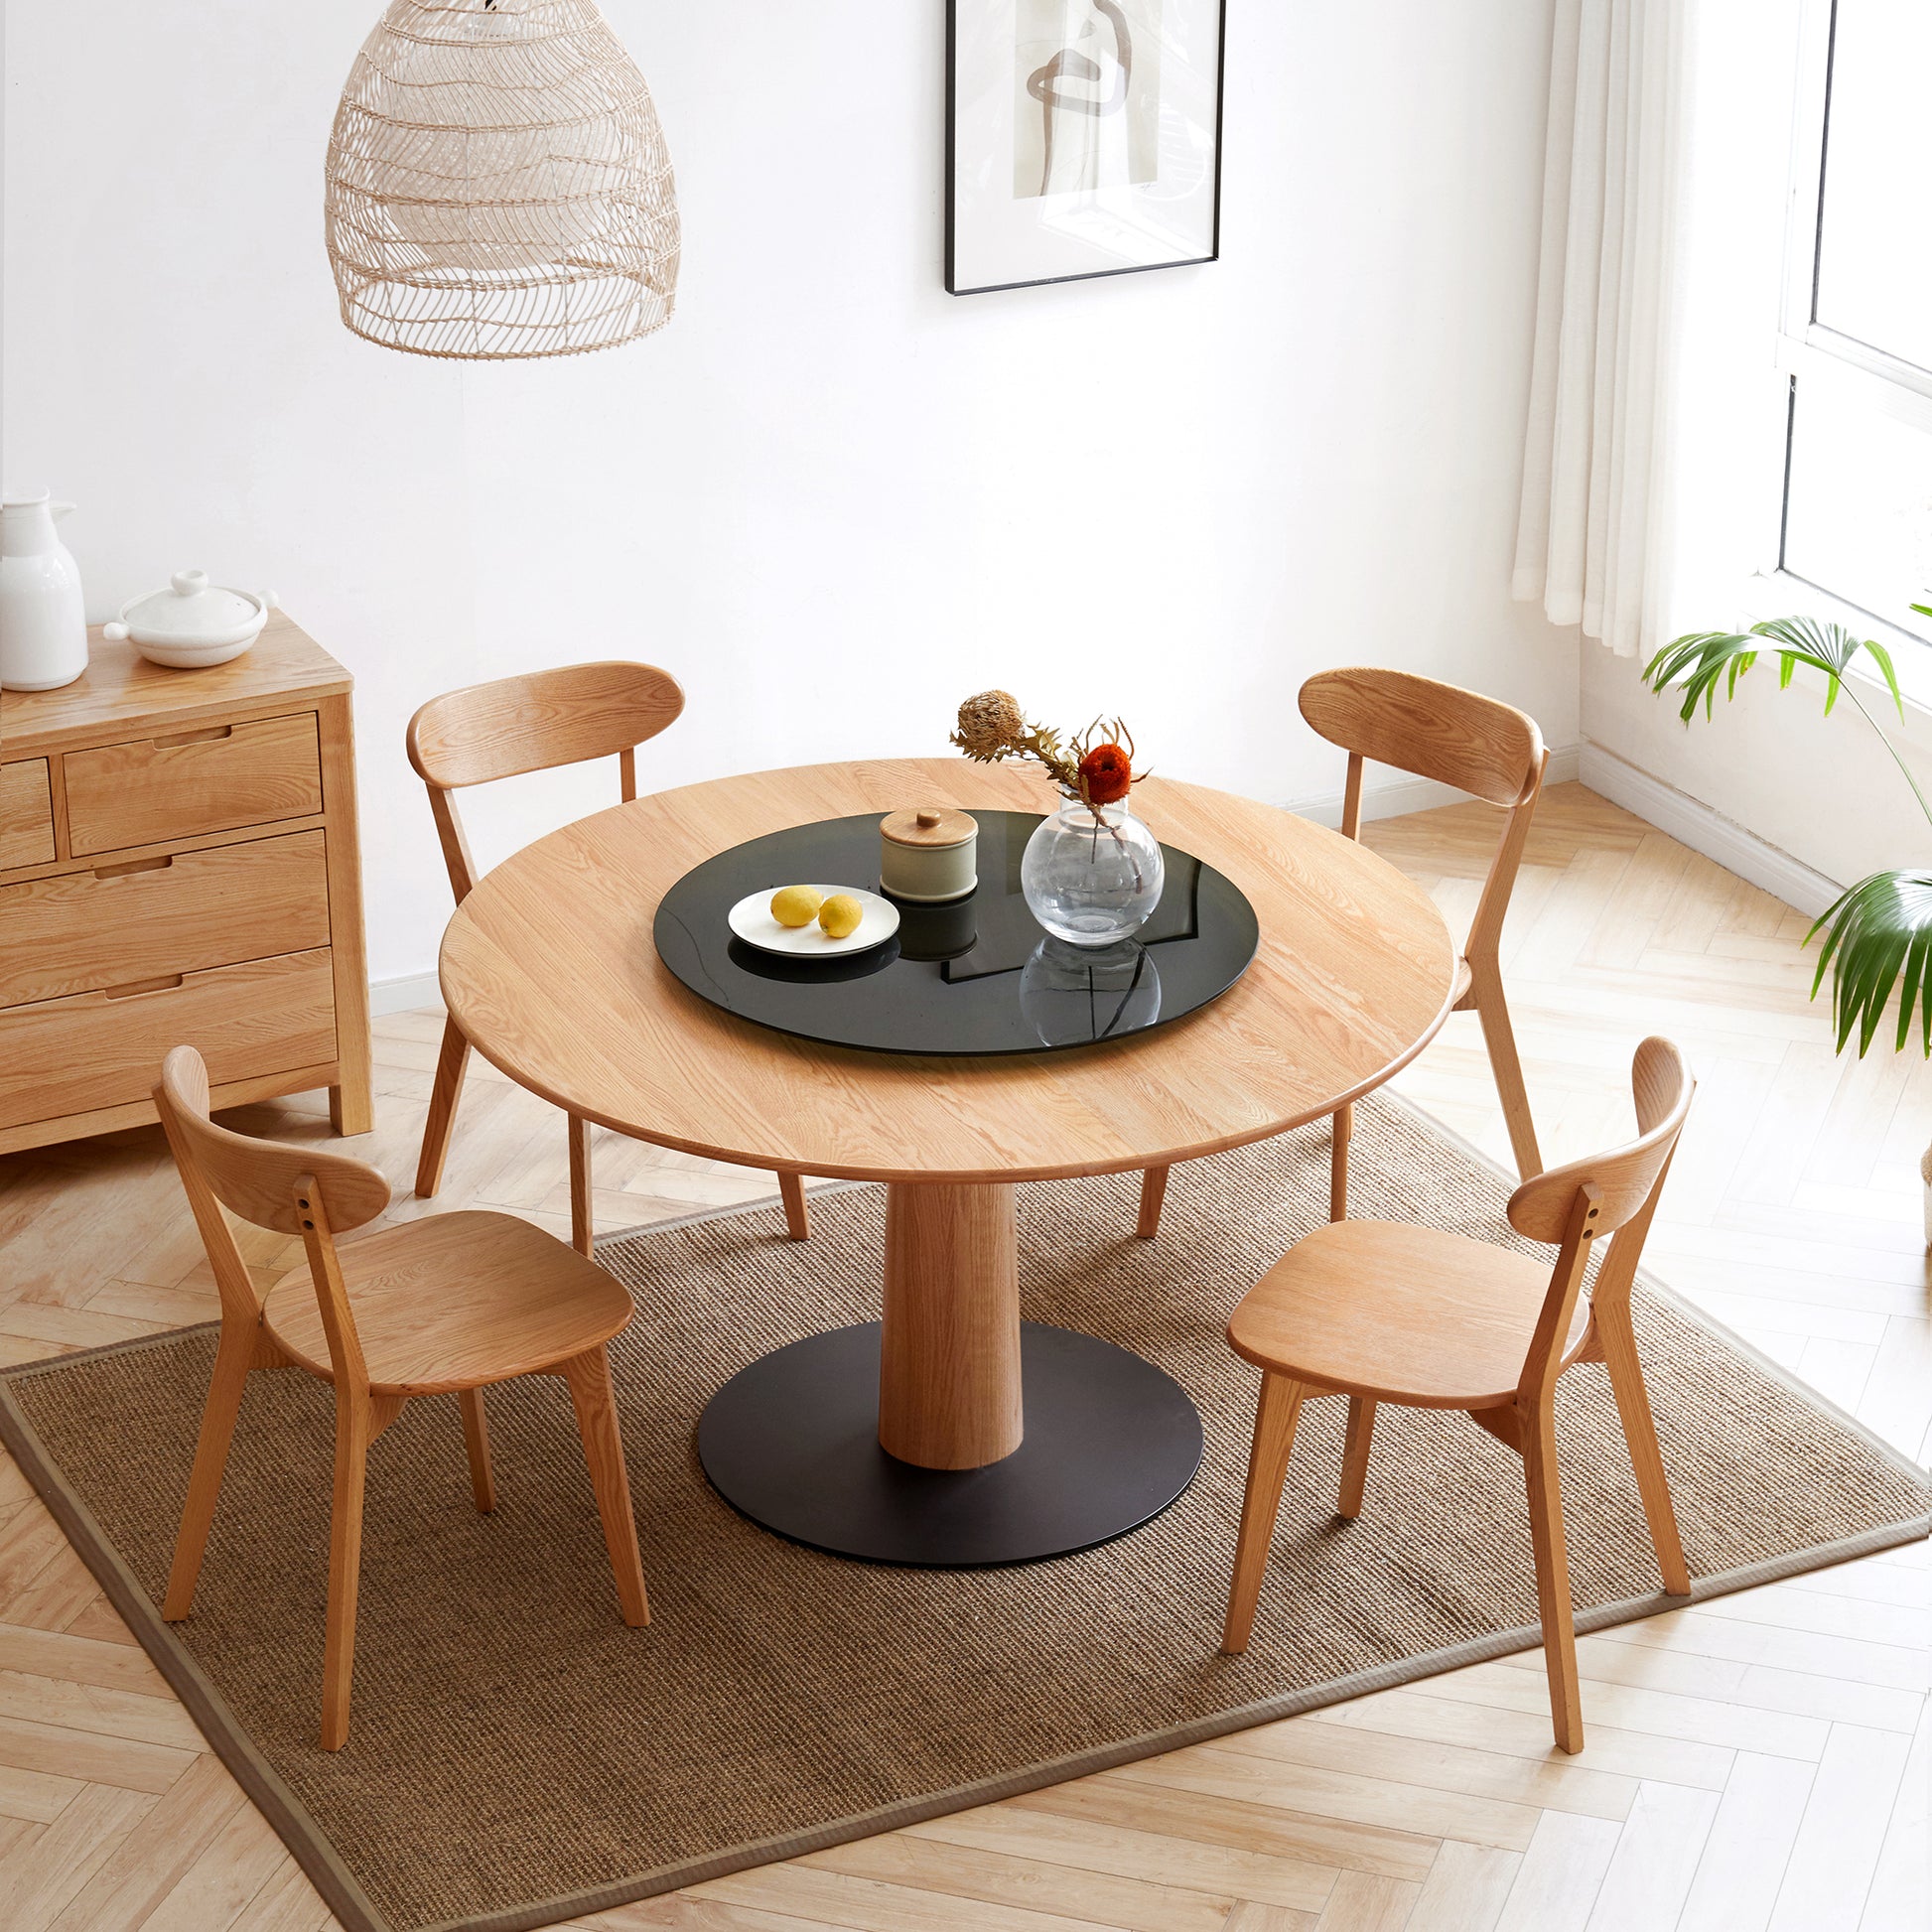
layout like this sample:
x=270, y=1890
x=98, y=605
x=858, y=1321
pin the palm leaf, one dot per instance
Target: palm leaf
x=1877, y=941
x=1699, y=661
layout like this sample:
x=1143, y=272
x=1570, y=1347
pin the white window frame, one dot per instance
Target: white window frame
x=1826, y=361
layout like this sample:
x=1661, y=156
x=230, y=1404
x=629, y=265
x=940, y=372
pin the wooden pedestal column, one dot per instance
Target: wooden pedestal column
x=949, y=1395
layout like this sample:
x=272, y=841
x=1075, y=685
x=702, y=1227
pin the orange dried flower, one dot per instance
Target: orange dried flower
x=1106, y=772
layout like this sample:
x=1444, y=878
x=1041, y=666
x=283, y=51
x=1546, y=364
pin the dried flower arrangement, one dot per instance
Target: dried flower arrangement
x=1096, y=767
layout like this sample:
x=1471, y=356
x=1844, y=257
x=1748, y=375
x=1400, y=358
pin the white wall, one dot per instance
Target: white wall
x=831, y=498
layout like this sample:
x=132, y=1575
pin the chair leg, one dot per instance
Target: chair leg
x=589, y=1376
x=1553, y=1577
x=1500, y=1038
x=581, y=1235
x=450, y=1064
x=1354, y=1454
x=344, y=1567
x=224, y=1393
x=1620, y=1342
x=1281, y=1403
x=798, y=1222
x=1153, y=1197
x=475, y=1440
x=1338, y=1164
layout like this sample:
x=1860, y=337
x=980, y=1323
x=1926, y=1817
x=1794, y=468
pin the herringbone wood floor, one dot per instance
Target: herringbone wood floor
x=1760, y=1762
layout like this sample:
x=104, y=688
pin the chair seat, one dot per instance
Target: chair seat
x=1401, y=1313
x=454, y=1302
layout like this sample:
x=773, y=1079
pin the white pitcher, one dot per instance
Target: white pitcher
x=42, y=626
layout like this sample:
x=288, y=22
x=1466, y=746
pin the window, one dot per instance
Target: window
x=1857, y=337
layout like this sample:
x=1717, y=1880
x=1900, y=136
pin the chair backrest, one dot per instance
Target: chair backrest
x=534, y=723
x=1616, y=1192
x=263, y=1182
x=1436, y=731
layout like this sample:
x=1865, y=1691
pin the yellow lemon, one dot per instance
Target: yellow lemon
x=795, y=905
x=839, y=915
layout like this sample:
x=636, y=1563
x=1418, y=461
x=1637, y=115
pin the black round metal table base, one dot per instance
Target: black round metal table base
x=792, y=1443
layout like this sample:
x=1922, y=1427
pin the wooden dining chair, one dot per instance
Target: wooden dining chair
x=1475, y=744
x=1388, y=1311
x=449, y=1303
x=516, y=725
x=1478, y=745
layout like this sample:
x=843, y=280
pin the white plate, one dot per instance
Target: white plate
x=751, y=918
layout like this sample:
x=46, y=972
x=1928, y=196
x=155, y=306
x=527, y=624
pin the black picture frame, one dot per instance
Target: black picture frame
x=1213, y=252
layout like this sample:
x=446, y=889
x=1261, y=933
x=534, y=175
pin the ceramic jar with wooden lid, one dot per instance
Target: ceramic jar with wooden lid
x=928, y=856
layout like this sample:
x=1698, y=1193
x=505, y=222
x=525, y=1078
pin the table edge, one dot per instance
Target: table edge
x=978, y=1177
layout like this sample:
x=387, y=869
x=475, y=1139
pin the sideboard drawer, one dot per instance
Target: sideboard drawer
x=178, y=786
x=26, y=814
x=147, y=918
x=95, y=1050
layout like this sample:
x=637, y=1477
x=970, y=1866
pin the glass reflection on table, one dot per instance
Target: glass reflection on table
x=1074, y=995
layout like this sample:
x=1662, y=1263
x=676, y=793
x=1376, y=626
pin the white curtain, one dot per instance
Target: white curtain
x=1593, y=528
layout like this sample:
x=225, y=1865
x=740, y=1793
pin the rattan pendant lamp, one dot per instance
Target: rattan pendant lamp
x=499, y=185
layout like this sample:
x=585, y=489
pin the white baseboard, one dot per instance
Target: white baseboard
x=1394, y=796
x=1705, y=829
x=404, y=994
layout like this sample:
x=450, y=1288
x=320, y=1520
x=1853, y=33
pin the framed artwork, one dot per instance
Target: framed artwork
x=1083, y=137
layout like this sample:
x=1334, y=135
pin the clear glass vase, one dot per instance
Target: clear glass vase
x=1092, y=875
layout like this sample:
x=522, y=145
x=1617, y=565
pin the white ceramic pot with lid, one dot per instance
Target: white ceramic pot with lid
x=192, y=623
x=928, y=856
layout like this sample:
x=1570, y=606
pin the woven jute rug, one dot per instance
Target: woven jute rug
x=519, y=1757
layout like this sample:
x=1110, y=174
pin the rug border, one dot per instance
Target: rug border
x=260, y=1782
x=313, y=1850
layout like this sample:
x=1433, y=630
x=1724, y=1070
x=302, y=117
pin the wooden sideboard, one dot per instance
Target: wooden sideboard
x=179, y=863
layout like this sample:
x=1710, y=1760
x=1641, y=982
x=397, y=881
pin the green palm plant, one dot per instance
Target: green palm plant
x=1879, y=933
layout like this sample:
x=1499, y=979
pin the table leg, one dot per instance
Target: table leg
x=905, y=1440
x=950, y=1354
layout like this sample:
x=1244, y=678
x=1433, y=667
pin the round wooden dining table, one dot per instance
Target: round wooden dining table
x=949, y=1432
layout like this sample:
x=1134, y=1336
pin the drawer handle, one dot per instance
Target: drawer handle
x=208, y=737
x=160, y=864
x=166, y=984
